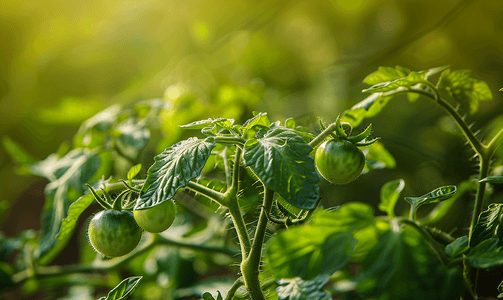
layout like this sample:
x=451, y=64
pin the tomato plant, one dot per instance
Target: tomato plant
x=295, y=248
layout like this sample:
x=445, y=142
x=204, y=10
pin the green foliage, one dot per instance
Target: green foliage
x=487, y=224
x=278, y=151
x=458, y=247
x=463, y=89
x=390, y=192
x=297, y=289
x=172, y=169
x=123, y=290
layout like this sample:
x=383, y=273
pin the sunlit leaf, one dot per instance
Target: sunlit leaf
x=281, y=160
x=124, y=289
x=442, y=209
x=173, y=169
x=384, y=74
x=460, y=87
x=260, y=119
x=437, y=195
x=133, y=171
x=367, y=108
x=406, y=82
x=299, y=289
x=493, y=179
x=390, y=192
x=487, y=224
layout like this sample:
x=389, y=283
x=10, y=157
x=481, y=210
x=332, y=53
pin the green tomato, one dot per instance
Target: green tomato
x=339, y=161
x=114, y=233
x=157, y=218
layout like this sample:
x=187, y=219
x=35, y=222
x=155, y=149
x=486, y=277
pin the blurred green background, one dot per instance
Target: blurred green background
x=63, y=61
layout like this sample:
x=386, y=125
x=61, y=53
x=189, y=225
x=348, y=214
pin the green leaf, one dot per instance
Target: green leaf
x=437, y=195
x=493, y=179
x=378, y=157
x=485, y=255
x=208, y=296
x=281, y=160
x=102, y=121
x=224, y=123
x=84, y=165
x=133, y=171
x=443, y=209
x=320, y=247
x=407, y=82
x=390, y=192
x=299, y=289
x=460, y=87
x=402, y=266
x=124, y=289
x=367, y=108
x=74, y=211
x=260, y=119
x=7, y=245
x=384, y=74
x=306, y=252
x=133, y=136
x=487, y=224
x=458, y=247
x=173, y=169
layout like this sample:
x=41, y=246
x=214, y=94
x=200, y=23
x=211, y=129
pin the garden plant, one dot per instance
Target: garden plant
x=247, y=198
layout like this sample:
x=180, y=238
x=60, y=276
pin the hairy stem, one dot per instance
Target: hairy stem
x=250, y=267
x=205, y=191
x=235, y=286
x=320, y=137
x=233, y=205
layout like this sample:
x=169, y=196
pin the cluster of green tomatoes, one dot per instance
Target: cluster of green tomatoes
x=116, y=231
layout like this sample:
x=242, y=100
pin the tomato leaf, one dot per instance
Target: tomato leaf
x=493, y=179
x=487, y=224
x=260, y=119
x=71, y=171
x=485, y=255
x=402, y=266
x=384, y=74
x=124, y=289
x=437, y=195
x=133, y=136
x=297, y=288
x=133, y=171
x=458, y=247
x=322, y=246
x=208, y=296
x=460, y=87
x=367, y=108
x=281, y=160
x=172, y=169
x=406, y=82
x=390, y=192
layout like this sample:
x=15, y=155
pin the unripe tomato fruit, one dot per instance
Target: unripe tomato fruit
x=157, y=218
x=339, y=161
x=114, y=233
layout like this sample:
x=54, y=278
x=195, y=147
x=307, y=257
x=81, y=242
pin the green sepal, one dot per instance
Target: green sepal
x=338, y=128
x=360, y=137
x=98, y=199
x=367, y=143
